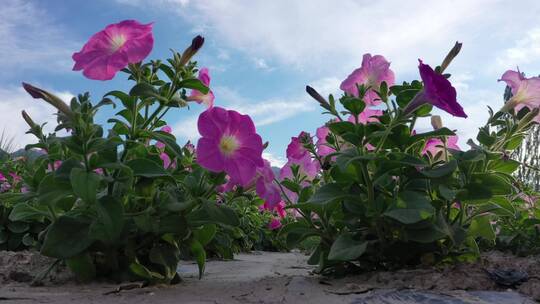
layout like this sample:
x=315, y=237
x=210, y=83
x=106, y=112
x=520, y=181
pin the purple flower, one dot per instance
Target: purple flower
x=437, y=91
x=374, y=70
x=274, y=224
x=113, y=48
x=229, y=143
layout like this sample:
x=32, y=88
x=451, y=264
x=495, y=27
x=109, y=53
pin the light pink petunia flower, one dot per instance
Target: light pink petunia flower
x=374, y=70
x=113, y=48
x=436, y=145
x=322, y=147
x=229, y=143
x=368, y=115
x=525, y=91
x=208, y=98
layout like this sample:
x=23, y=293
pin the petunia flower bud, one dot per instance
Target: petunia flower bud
x=52, y=99
x=196, y=44
x=450, y=56
x=436, y=122
x=28, y=119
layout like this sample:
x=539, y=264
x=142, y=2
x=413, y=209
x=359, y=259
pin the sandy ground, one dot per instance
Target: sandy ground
x=281, y=278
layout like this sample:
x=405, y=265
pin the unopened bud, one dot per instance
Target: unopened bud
x=52, y=99
x=28, y=119
x=450, y=56
x=196, y=44
x=313, y=93
x=436, y=122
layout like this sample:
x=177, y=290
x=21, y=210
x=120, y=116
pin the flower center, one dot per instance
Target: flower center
x=117, y=41
x=228, y=144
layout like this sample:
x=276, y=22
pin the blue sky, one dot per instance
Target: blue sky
x=261, y=54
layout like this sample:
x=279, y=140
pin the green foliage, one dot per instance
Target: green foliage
x=110, y=207
x=392, y=204
x=252, y=233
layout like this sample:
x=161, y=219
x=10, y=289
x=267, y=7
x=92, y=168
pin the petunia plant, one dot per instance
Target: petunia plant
x=129, y=202
x=378, y=193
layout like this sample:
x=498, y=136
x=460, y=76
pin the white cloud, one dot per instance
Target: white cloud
x=12, y=101
x=275, y=161
x=30, y=40
x=261, y=64
x=187, y=128
x=525, y=50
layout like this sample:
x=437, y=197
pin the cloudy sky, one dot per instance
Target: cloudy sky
x=261, y=53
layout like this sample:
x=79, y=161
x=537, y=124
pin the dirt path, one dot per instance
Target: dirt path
x=285, y=278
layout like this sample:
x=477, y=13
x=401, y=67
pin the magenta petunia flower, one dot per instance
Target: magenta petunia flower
x=112, y=49
x=166, y=129
x=208, y=98
x=322, y=146
x=265, y=186
x=436, y=145
x=274, y=224
x=437, y=91
x=2, y=178
x=374, y=70
x=229, y=143
x=368, y=115
x=525, y=91
x=295, y=149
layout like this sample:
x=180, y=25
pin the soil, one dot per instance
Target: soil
x=265, y=277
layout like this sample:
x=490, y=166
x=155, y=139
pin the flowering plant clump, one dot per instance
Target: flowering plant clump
x=379, y=193
x=16, y=234
x=129, y=202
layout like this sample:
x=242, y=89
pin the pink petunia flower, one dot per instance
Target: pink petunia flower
x=16, y=178
x=274, y=224
x=295, y=149
x=208, y=98
x=113, y=48
x=525, y=91
x=167, y=163
x=436, y=145
x=56, y=164
x=166, y=129
x=2, y=178
x=229, y=143
x=98, y=171
x=374, y=70
x=265, y=186
x=368, y=115
x=322, y=147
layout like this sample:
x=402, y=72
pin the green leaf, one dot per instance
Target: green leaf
x=205, y=234
x=147, y=168
x=328, y=193
x=197, y=250
x=345, y=248
x=481, y=227
x=66, y=238
x=194, y=84
x=143, y=89
x=110, y=221
x=410, y=207
x=26, y=212
x=169, y=140
x=441, y=171
x=51, y=190
x=18, y=227
x=507, y=166
x=436, y=133
x=85, y=184
x=82, y=266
